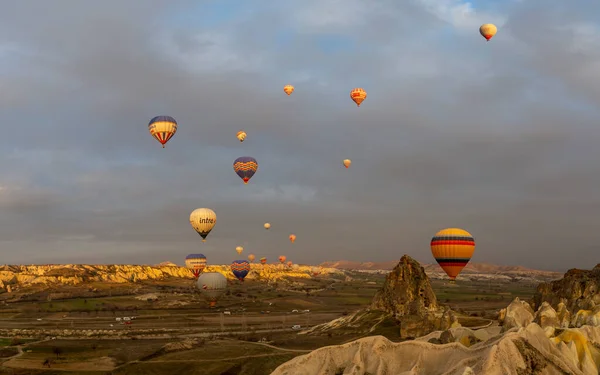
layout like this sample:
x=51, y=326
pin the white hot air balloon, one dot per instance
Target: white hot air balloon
x=203, y=220
x=212, y=285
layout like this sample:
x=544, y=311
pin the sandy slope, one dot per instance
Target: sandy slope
x=516, y=352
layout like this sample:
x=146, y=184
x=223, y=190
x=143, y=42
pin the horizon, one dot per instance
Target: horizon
x=499, y=138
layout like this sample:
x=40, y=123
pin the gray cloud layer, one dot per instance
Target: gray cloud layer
x=498, y=138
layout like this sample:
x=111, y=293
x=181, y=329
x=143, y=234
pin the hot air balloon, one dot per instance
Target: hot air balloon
x=267, y=225
x=292, y=238
x=263, y=260
x=162, y=128
x=452, y=248
x=358, y=95
x=488, y=31
x=240, y=269
x=241, y=135
x=245, y=167
x=239, y=250
x=212, y=286
x=288, y=89
x=295, y=266
x=203, y=220
x=196, y=263
x=282, y=259
x=347, y=163
x=315, y=271
x=289, y=263
x=251, y=257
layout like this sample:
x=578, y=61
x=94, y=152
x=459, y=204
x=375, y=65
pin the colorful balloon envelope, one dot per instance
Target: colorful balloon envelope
x=241, y=135
x=452, y=248
x=267, y=226
x=240, y=269
x=239, y=250
x=347, y=163
x=203, y=220
x=263, y=260
x=212, y=286
x=358, y=95
x=162, y=128
x=245, y=167
x=292, y=238
x=251, y=257
x=196, y=263
x=282, y=258
x=289, y=263
x=488, y=31
x=288, y=89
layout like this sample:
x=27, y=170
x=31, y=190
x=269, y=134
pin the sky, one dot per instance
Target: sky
x=501, y=139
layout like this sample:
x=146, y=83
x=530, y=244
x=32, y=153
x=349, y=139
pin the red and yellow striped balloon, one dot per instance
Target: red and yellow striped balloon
x=452, y=248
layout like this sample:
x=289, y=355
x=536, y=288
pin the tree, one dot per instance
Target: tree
x=57, y=351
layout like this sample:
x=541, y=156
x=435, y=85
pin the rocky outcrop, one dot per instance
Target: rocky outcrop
x=406, y=291
x=577, y=290
x=12, y=277
x=516, y=315
x=406, y=299
x=520, y=351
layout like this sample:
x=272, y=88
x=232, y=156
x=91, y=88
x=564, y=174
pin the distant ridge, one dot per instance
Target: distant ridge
x=389, y=265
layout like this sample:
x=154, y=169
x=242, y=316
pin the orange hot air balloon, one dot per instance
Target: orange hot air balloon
x=251, y=258
x=288, y=89
x=452, y=248
x=488, y=31
x=292, y=238
x=358, y=95
x=347, y=163
x=263, y=260
x=289, y=263
x=282, y=258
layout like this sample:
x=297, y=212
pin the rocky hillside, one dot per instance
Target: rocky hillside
x=12, y=277
x=471, y=271
x=561, y=337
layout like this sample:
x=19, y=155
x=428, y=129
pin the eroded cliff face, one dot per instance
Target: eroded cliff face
x=577, y=290
x=12, y=277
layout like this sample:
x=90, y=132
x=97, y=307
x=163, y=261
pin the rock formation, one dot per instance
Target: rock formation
x=406, y=291
x=578, y=290
x=520, y=351
x=12, y=277
x=407, y=298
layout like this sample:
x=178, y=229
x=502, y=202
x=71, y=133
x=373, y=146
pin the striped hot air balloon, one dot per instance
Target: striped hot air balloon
x=245, y=167
x=162, y=128
x=196, y=263
x=263, y=260
x=452, y=248
x=358, y=95
x=240, y=269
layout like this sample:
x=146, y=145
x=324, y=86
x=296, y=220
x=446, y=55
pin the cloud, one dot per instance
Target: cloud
x=499, y=138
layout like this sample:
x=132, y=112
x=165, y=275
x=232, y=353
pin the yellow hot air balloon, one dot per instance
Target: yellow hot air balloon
x=203, y=220
x=452, y=248
x=241, y=135
x=288, y=89
x=251, y=257
x=488, y=31
x=292, y=238
x=358, y=95
x=267, y=226
x=239, y=249
x=162, y=128
x=347, y=163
